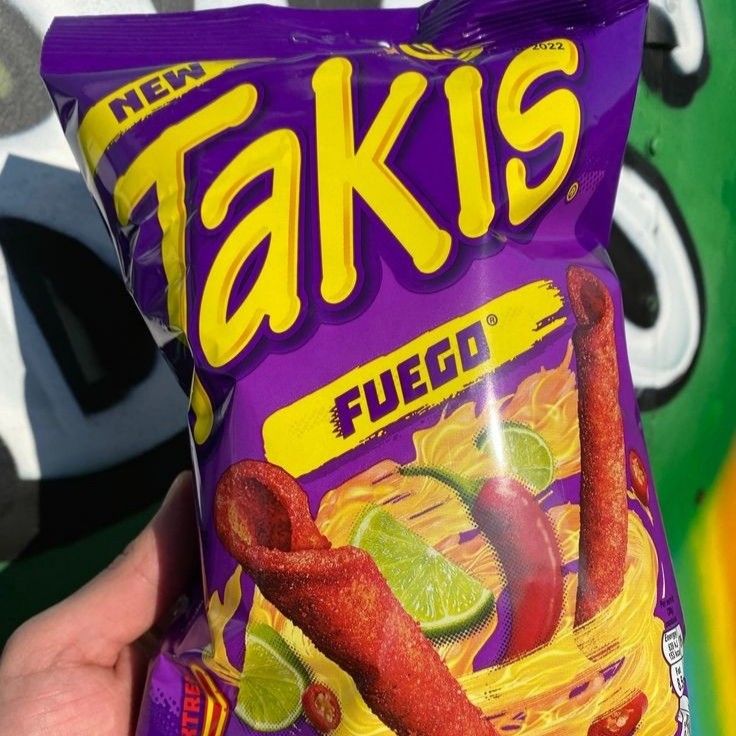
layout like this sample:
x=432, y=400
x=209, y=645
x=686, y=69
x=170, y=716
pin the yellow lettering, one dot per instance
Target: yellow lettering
x=557, y=113
x=463, y=88
x=342, y=170
x=161, y=165
x=114, y=115
x=275, y=293
x=302, y=436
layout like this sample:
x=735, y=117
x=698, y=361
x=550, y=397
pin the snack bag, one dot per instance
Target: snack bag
x=372, y=246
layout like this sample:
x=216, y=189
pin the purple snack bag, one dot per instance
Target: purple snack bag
x=372, y=246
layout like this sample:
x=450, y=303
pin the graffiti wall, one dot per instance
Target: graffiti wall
x=91, y=422
x=680, y=193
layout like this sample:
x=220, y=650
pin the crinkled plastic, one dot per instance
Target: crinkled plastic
x=372, y=246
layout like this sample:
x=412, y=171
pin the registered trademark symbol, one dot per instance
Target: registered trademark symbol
x=492, y=319
x=572, y=191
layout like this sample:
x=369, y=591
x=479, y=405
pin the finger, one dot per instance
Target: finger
x=130, y=673
x=136, y=590
x=143, y=583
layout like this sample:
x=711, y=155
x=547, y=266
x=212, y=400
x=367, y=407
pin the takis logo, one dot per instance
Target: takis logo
x=344, y=167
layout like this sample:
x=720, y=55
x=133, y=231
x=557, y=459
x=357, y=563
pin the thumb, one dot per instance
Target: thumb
x=126, y=599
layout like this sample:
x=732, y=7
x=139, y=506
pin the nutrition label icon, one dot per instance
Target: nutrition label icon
x=674, y=652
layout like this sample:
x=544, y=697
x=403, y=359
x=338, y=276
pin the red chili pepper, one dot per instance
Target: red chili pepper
x=639, y=478
x=515, y=525
x=622, y=721
x=321, y=707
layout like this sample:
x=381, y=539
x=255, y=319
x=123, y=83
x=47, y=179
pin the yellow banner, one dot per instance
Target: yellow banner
x=414, y=377
x=117, y=113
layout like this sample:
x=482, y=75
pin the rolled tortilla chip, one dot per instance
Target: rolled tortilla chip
x=260, y=505
x=603, y=500
x=340, y=600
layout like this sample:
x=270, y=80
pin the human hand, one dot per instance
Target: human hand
x=78, y=669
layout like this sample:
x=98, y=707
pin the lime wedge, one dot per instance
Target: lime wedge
x=524, y=454
x=441, y=596
x=272, y=683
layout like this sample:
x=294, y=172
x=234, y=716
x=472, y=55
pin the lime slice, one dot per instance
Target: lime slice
x=441, y=596
x=525, y=455
x=272, y=683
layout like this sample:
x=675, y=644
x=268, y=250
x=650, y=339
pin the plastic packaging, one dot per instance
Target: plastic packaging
x=372, y=246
